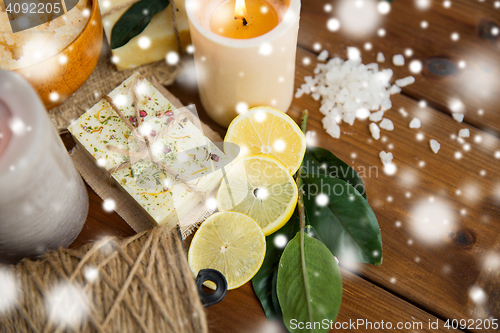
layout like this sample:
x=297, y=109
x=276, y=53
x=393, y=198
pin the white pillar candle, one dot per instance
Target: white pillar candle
x=43, y=201
x=234, y=74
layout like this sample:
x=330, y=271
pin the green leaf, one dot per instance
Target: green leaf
x=309, y=285
x=322, y=161
x=263, y=281
x=345, y=223
x=135, y=20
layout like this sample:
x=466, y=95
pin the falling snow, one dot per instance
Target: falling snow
x=91, y=274
x=9, y=289
x=415, y=66
x=333, y=24
x=172, y=58
x=109, y=205
x=477, y=295
x=211, y=203
x=432, y=221
x=384, y=7
x=322, y=200
x=280, y=241
x=144, y=42
x=67, y=304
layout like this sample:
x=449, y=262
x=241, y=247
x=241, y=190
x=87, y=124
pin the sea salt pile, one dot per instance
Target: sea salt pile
x=349, y=90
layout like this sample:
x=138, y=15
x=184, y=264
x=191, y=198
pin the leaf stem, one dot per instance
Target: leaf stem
x=298, y=179
x=303, y=120
x=302, y=219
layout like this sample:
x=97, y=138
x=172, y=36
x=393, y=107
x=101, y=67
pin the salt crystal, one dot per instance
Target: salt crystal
x=299, y=93
x=415, y=123
x=458, y=117
x=386, y=104
x=373, y=66
x=353, y=53
x=464, y=133
x=386, y=124
x=398, y=60
x=405, y=81
x=331, y=127
x=349, y=117
x=394, y=89
x=377, y=116
x=386, y=158
x=435, y=146
x=375, y=131
x=403, y=112
x=380, y=57
x=323, y=55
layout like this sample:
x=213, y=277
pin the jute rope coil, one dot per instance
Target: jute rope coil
x=143, y=284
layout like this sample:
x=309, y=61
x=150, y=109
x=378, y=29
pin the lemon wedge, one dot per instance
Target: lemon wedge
x=265, y=130
x=260, y=187
x=231, y=243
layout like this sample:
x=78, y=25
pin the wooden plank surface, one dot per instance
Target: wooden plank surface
x=420, y=280
x=363, y=304
x=435, y=275
x=476, y=85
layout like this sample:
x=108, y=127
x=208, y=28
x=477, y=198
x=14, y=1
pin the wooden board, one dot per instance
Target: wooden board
x=362, y=303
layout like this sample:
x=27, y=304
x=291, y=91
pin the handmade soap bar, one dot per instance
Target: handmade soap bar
x=158, y=37
x=167, y=177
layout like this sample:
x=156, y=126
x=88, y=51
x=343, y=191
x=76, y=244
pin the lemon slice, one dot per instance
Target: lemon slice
x=264, y=130
x=231, y=243
x=260, y=187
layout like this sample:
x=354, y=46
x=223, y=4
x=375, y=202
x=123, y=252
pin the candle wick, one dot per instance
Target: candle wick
x=245, y=23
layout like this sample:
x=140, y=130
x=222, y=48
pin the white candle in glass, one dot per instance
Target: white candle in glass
x=43, y=201
x=234, y=74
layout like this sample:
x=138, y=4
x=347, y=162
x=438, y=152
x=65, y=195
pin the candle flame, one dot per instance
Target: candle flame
x=240, y=10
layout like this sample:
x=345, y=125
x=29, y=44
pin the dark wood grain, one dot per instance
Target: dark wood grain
x=240, y=311
x=476, y=85
x=436, y=276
